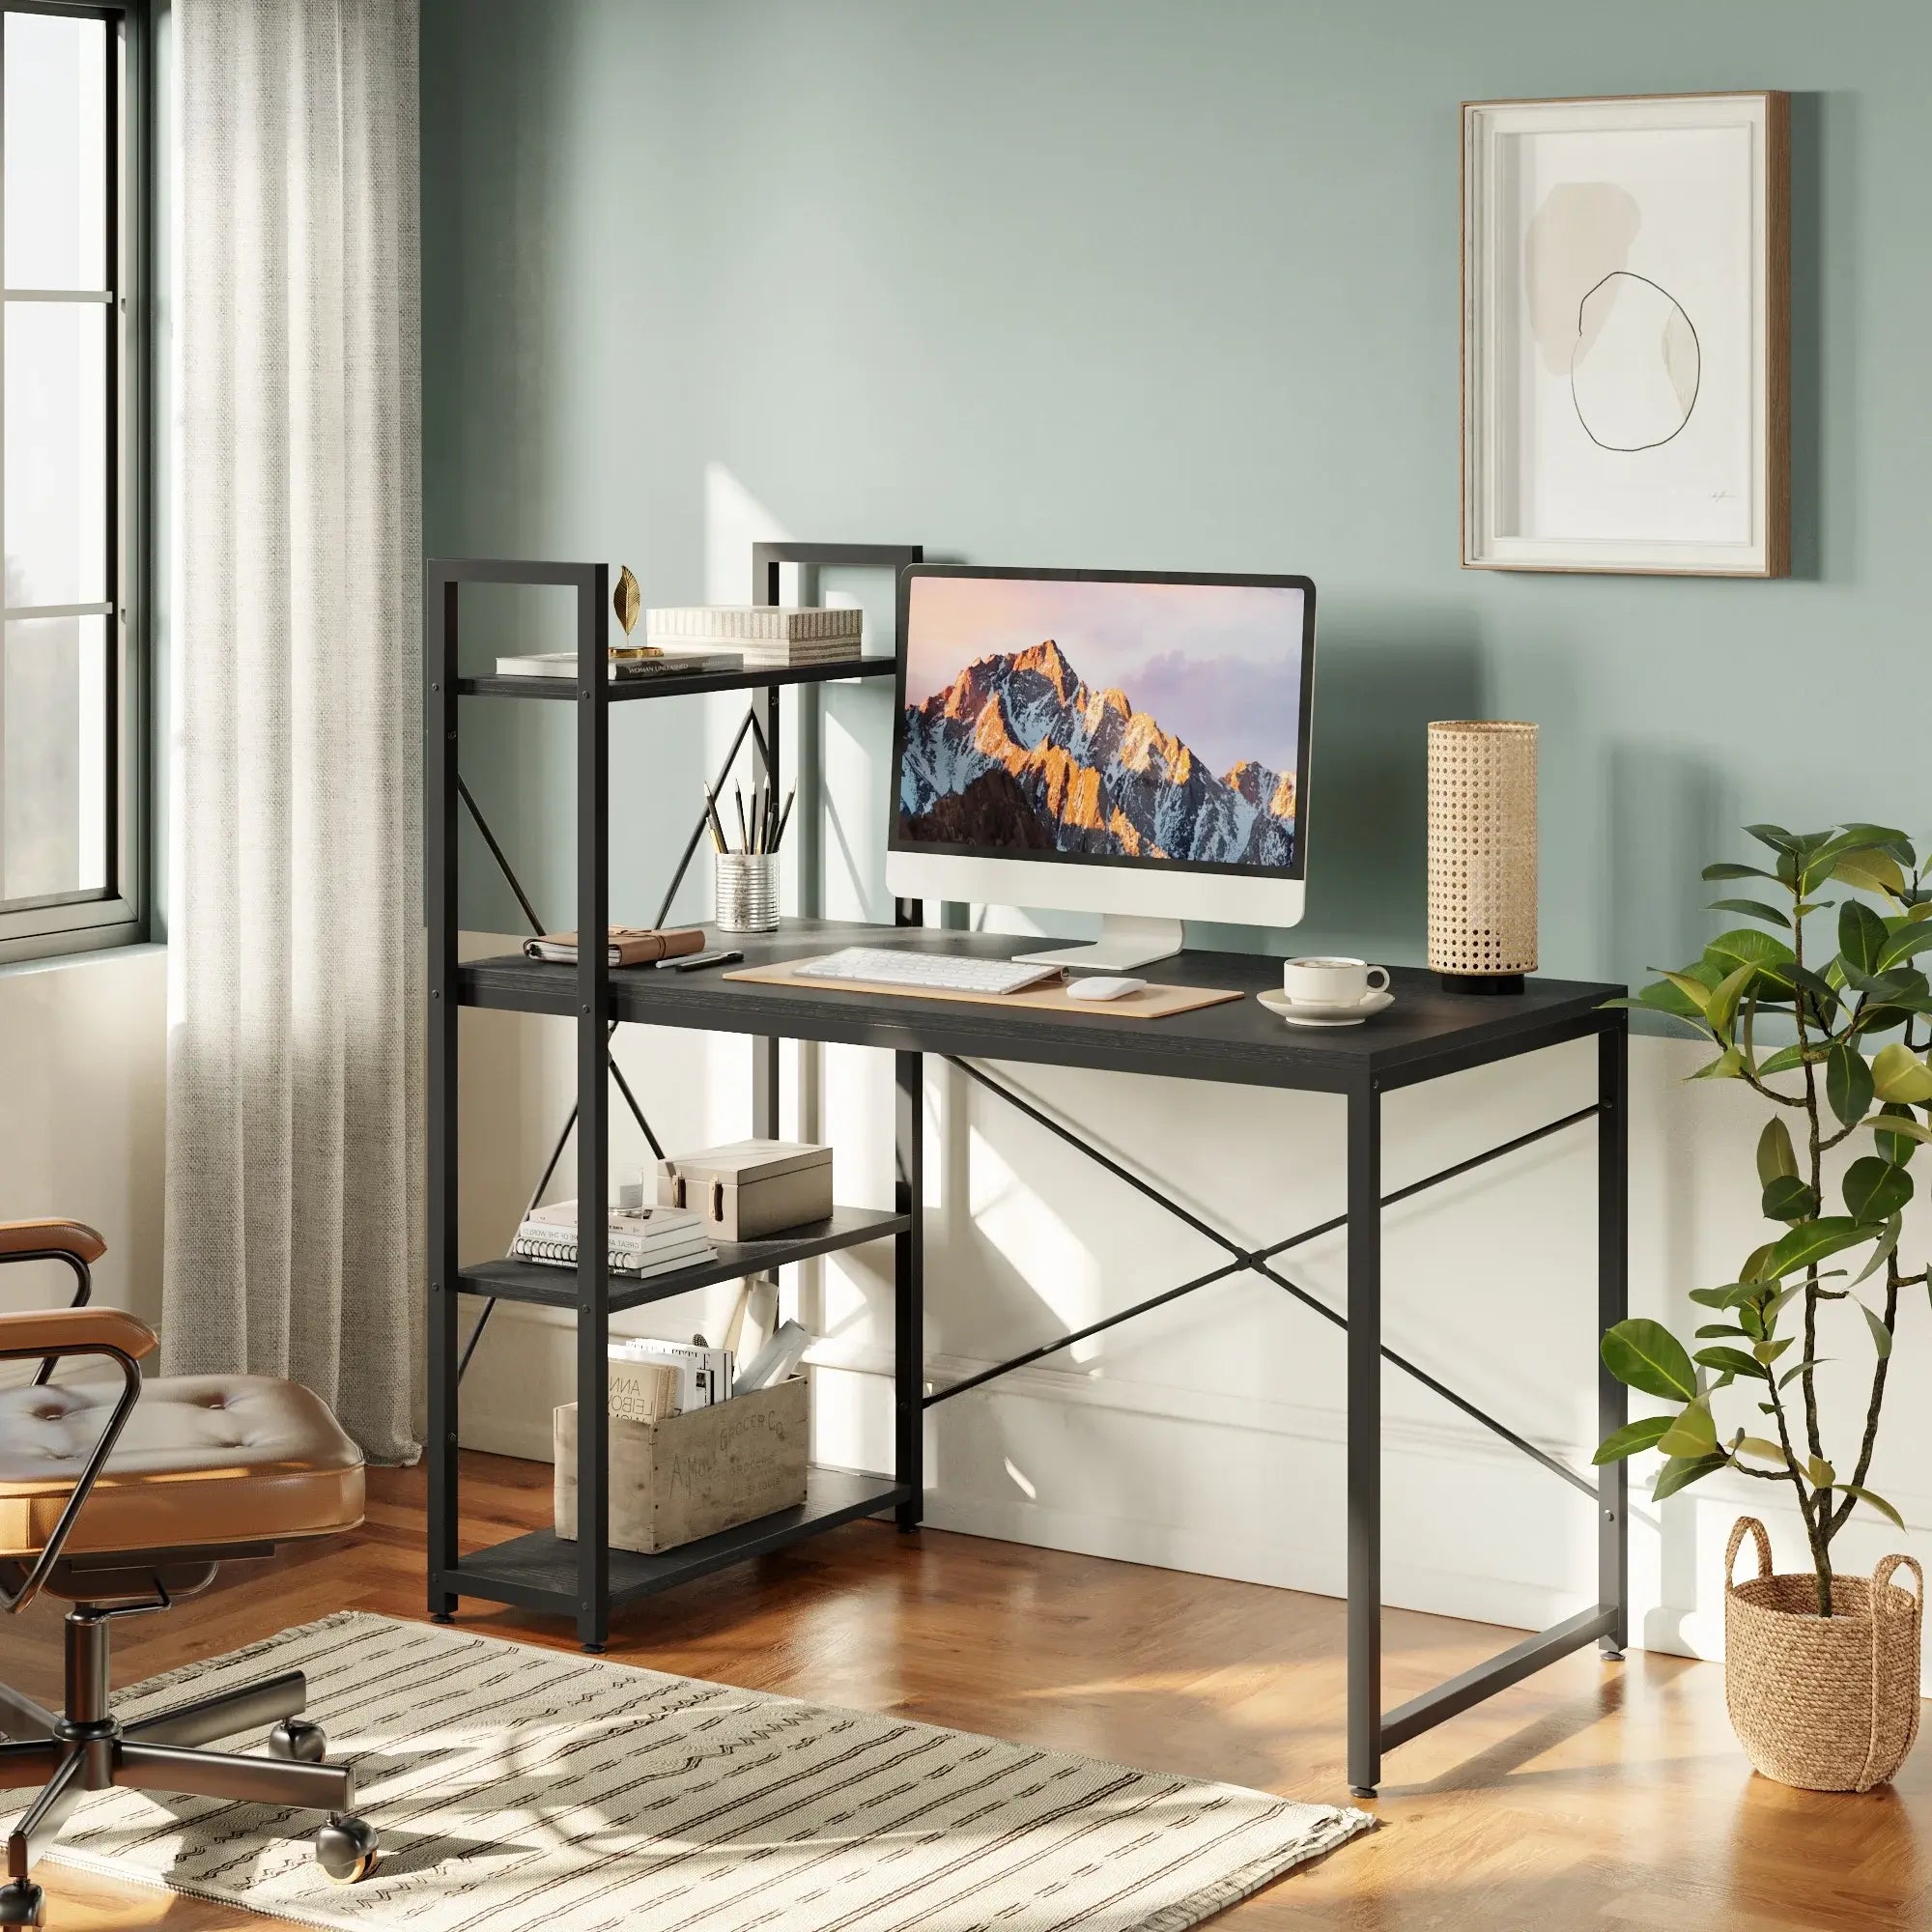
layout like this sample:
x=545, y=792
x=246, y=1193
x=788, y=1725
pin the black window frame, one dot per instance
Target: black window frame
x=118, y=913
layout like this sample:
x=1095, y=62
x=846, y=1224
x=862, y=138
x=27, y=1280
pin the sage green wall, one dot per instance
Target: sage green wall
x=1168, y=285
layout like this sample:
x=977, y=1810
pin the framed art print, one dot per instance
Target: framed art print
x=1626, y=265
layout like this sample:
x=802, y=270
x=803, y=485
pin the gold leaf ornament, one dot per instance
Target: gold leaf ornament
x=627, y=600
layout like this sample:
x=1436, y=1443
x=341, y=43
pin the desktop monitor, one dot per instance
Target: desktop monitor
x=1104, y=741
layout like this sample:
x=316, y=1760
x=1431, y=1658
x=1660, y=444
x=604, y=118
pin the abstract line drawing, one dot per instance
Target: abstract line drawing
x=1637, y=364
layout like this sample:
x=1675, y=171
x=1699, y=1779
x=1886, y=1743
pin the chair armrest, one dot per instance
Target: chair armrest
x=74, y=1331
x=54, y=1333
x=19, y=1239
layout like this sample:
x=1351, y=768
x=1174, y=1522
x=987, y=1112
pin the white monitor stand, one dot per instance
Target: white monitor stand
x=1125, y=941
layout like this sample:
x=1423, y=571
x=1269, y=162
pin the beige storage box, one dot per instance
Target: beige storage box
x=691, y=1476
x=751, y=1188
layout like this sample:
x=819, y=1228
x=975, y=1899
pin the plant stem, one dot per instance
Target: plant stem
x=1837, y=1515
x=1807, y=1378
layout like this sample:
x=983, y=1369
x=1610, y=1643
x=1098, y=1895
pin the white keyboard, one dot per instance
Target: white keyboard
x=926, y=972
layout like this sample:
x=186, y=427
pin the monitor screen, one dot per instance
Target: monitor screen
x=1104, y=718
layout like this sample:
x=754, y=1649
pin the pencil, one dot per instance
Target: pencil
x=744, y=837
x=711, y=818
x=784, y=818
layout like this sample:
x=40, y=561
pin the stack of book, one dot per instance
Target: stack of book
x=765, y=636
x=626, y=666
x=640, y=1240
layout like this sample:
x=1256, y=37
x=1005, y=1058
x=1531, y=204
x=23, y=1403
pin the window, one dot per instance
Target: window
x=71, y=478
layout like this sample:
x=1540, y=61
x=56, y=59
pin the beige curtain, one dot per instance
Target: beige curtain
x=294, y=1061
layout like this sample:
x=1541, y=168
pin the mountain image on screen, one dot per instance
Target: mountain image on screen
x=1019, y=755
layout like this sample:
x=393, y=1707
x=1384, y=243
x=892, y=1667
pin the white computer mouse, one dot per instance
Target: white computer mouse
x=1104, y=986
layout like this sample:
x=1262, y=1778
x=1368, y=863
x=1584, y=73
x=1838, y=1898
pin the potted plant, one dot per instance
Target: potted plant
x=1821, y=1669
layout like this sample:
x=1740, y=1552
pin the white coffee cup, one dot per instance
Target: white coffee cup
x=1331, y=982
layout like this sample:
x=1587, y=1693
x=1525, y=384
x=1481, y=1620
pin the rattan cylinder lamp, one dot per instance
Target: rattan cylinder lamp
x=1482, y=855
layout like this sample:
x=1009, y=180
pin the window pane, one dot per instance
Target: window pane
x=56, y=152
x=53, y=757
x=55, y=525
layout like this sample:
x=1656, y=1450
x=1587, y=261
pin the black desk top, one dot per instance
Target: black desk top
x=1426, y=1033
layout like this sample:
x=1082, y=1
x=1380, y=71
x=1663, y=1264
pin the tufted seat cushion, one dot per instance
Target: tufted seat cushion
x=205, y=1461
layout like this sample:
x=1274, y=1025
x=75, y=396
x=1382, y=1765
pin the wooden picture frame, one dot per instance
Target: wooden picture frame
x=1625, y=334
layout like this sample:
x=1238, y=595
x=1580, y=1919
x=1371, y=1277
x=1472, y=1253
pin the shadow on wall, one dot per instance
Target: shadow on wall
x=1669, y=816
x=1380, y=678
x=1811, y=190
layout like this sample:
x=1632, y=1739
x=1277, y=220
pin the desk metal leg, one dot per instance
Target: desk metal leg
x=1365, y=1440
x=909, y=1289
x=1612, y=1305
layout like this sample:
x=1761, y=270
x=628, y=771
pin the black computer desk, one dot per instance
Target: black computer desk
x=1425, y=1035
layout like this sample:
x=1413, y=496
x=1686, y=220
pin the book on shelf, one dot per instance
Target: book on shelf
x=629, y=945
x=755, y=624
x=623, y=668
x=639, y=1240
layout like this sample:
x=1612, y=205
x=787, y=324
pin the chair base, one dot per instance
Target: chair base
x=88, y=1749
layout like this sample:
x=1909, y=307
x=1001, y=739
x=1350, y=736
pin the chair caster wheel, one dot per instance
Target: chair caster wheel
x=346, y=1849
x=21, y=1904
x=297, y=1740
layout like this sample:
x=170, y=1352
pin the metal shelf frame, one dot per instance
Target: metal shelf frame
x=542, y=1573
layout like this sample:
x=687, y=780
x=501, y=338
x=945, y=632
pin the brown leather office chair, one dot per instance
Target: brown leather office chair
x=121, y=1497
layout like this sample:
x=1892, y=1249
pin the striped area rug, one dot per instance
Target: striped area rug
x=514, y=1786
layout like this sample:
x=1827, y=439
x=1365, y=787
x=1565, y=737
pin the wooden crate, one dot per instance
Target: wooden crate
x=691, y=1476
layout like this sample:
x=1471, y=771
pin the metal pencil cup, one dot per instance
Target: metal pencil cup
x=748, y=892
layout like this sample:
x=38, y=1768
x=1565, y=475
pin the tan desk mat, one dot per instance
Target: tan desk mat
x=1150, y=1003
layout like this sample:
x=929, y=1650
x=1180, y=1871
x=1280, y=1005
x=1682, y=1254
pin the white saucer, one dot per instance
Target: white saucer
x=1305, y=1012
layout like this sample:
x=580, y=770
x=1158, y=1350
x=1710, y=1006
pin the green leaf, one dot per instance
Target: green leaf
x=1848, y=1082
x=1776, y=1157
x=1887, y=1242
x=1645, y=1356
x=1860, y=936
x=1875, y=1189
x=1680, y=1472
x=1797, y=1369
x=1821, y=1474
x=1789, y=1199
x=1888, y=838
x=1754, y=1267
x=1776, y=837
x=1811, y=1242
x=1728, y=1066
x=1746, y=946
x=1897, y=1125
x=1752, y=1320
x=1726, y=868
x=1768, y=1352
x=1907, y=938
x=1878, y=1502
x=1870, y=871
x=1632, y=1438
x=1728, y=1296
x=1788, y=1057
x=1713, y=1331
x=1692, y=1433
x=1723, y=1002
x=1730, y=1362
x=1693, y=990
x=1752, y=909
x=1765, y=1450
x=1899, y=1074
x=1881, y=1334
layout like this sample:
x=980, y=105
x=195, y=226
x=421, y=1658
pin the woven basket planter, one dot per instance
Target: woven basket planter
x=1825, y=1703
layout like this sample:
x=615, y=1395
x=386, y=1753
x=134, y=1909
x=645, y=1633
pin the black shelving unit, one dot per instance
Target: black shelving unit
x=586, y=1579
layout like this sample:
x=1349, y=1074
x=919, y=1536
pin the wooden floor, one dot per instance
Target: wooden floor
x=1592, y=1796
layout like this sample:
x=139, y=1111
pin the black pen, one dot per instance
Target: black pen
x=690, y=962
